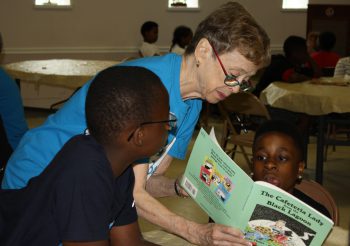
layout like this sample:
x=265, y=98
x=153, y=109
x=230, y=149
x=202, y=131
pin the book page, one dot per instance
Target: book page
x=216, y=182
x=274, y=217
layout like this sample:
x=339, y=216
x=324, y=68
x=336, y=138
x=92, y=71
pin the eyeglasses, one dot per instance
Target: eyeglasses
x=232, y=80
x=170, y=126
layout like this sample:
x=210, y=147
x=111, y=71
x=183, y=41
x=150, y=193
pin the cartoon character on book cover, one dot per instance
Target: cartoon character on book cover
x=270, y=227
x=221, y=184
x=206, y=171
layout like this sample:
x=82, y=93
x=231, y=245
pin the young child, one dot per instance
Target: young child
x=295, y=65
x=181, y=38
x=149, y=32
x=325, y=57
x=85, y=193
x=278, y=158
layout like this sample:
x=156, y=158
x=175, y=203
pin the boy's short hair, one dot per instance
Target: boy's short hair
x=284, y=127
x=148, y=26
x=118, y=96
x=326, y=40
x=294, y=43
x=231, y=27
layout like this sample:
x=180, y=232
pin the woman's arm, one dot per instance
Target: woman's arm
x=202, y=234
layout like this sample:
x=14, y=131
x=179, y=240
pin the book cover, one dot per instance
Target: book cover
x=265, y=213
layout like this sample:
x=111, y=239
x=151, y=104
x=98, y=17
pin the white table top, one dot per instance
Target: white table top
x=309, y=98
x=67, y=73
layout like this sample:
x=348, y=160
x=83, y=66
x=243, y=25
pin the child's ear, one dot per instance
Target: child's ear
x=251, y=164
x=139, y=136
x=301, y=168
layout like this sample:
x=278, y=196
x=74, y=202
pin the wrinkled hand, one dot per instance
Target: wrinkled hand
x=216, y=234
x=180, y=190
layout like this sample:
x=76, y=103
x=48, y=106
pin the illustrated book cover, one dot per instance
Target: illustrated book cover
x=266, y=214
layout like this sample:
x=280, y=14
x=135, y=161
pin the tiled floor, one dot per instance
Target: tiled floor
x=336, y=178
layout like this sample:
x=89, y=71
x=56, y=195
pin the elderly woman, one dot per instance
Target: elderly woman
x=228, y=47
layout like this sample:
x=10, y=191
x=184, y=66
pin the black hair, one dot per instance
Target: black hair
x=326, y=41
x=119, y=96
x=148, y=26
x=284, y=127
x=294, y=43
x=180, y=32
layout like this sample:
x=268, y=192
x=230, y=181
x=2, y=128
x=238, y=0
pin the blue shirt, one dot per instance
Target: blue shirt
x=40, y=145
x=11, y=109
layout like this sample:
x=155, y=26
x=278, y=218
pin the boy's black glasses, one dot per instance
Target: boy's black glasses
x=230, y=79
x=170, y=126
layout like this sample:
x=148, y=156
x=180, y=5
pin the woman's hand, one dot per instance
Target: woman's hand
x=178, y=189
x=216, y=234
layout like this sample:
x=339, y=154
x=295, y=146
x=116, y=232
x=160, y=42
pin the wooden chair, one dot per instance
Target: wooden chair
x=242, y=113
x=320, y=194
x=338, y=131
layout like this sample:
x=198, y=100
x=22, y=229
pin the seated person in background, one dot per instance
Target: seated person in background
x=85, y=195
x=311, y=42
x=295, y=65
x=325, y=57
x=13, y=124
x=278, y=158
x=181, y=38
x=343, y=67
x=149, y=32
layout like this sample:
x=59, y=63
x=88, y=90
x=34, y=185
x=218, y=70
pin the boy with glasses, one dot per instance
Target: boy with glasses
x=84, y=196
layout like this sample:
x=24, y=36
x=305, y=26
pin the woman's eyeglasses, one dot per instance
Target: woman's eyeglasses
x=232, y=80
x=170, y=126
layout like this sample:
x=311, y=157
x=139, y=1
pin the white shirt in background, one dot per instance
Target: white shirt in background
x=177, y=49
x=148, y=49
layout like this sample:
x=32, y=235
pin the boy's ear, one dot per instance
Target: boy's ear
x=202, y=50
x=138, y=136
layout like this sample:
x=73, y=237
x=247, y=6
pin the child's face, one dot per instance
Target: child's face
x=277, y=160
x=152, y=35
x=300, y=56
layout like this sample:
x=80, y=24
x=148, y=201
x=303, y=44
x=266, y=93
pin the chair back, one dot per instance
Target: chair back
x=244, y=105
x=320, y=194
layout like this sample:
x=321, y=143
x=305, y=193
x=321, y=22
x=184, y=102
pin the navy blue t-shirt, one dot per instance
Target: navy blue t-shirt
x=76, y=198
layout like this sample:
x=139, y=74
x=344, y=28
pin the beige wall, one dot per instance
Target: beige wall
x=109, y=29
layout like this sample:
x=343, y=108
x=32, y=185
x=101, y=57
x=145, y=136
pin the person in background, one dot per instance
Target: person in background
x=149, y=32
x=84, y=196
x=325, y=57
x=343, y=67
x=181, y=38
x=311, y=42
x=278, y=159
x=228, y=48
x=294, y=66
x=13, y=124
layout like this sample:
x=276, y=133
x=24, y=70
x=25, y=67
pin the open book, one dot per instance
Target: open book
x=265, y=213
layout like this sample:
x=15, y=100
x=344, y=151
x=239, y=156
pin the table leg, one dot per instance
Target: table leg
x=320, y=149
